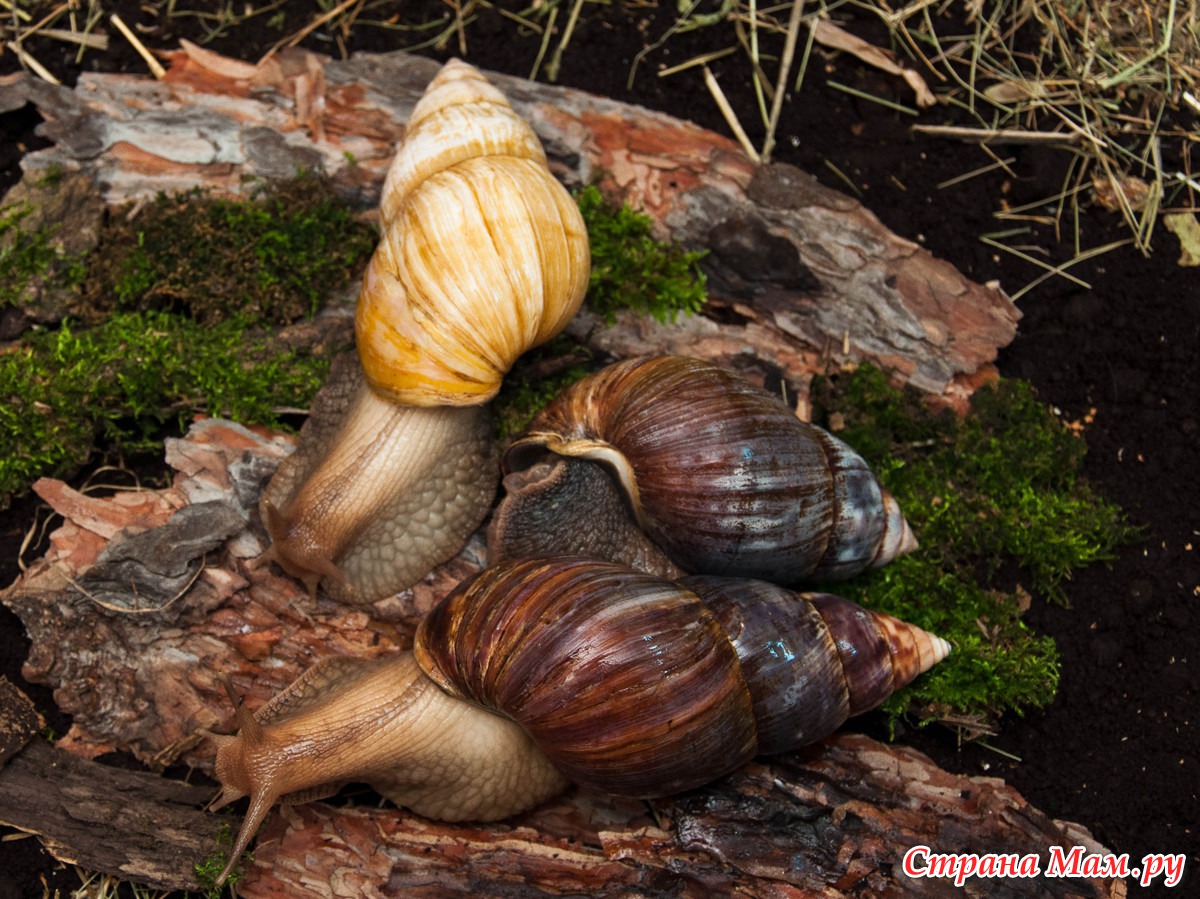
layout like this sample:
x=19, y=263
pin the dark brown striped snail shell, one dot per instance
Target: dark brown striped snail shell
x=719, y=475
x=538, y=672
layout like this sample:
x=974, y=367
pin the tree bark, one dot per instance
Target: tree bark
x=143, y=598
x=802, y=278
x=132, y=824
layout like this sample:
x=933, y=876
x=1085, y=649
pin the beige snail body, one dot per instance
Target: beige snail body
x=483, y=254
x=538, y=672
x=718, y=475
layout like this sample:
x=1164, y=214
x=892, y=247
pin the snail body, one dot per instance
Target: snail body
x=717, y=474
x=538, y=672
x=483, y=255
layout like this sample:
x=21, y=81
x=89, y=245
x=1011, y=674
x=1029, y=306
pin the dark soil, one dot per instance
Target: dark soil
x=1118, y=750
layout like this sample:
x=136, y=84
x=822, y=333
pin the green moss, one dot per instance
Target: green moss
x=177, y=301
x=537, y=378
x=28, y=256
x=210, y=869
x=997, y=487
x=272, y=259
x=129, y=378
x=633, y=270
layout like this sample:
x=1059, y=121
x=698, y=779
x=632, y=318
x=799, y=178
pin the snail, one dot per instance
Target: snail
x=709, y=474
x=483, y=255
x=539, y=672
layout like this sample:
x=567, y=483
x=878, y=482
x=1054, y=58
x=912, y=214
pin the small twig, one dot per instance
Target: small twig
x=155, y=66
x=16, y=11
x=731, y=118
x=545, y=42
x=29, y=62
x=556, y=60
x=999, y=135
x=785, y=68
x=92, y=41
x=854, y=92
x=974, y=173
x=702, y=59
x=308, y=29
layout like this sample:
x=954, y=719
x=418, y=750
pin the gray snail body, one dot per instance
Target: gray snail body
x=717, y=475
x=539, y=672
x=483, y=254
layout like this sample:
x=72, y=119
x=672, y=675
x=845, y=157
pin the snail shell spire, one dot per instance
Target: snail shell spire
x=483, y=254
x=640, y=686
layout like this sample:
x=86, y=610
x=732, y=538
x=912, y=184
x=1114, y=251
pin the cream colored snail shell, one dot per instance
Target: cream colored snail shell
x=720, y=477
x=540, y=671
x=483, y=255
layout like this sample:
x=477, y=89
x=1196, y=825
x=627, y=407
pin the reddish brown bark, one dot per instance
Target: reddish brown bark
x=801, y=276
x=144, y=597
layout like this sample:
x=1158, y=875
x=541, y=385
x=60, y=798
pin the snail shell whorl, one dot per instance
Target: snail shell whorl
x=721, y=474
x=640, y=686
x=483, y=254
x=625, y=681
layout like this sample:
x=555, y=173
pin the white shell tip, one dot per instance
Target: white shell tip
x=939, y=649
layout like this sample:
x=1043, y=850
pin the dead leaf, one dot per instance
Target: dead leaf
x=1009, y=92
x=831, y=35
x=1185, y=226
x=1106, y=189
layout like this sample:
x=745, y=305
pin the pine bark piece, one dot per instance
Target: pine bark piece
x=830, y=820
x=132, y=824
x=802, y=277
x=833, y=820
x=19, y=720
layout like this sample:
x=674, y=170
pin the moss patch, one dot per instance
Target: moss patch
x=538, y=377
x=271, y=260
x=29, y=260
x=128, y=379
x=633, y=270
x=998, y=487
x=176, y=306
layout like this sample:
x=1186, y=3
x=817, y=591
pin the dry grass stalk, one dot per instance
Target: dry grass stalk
x=153, y=64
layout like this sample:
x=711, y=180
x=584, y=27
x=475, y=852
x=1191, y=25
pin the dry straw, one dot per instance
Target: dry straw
x=1114, y=83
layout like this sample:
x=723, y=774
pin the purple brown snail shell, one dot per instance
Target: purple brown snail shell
x=539, y=672
x=694, y=469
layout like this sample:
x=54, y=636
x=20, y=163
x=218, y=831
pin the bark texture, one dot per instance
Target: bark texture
x=143, y=597
x=801, y=276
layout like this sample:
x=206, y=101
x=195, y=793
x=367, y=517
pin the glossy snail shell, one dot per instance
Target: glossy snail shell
x=634, y=685
x=531, y=670
x=483, y=255
x=718, y=473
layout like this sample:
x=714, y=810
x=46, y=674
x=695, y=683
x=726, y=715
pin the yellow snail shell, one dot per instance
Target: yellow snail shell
x=483, y=255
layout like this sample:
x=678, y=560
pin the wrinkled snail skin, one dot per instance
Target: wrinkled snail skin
x=375, y=497
x=714, y=470
x=379, y=721
x=538, y=672
x=531, y=520
x=483, y=255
